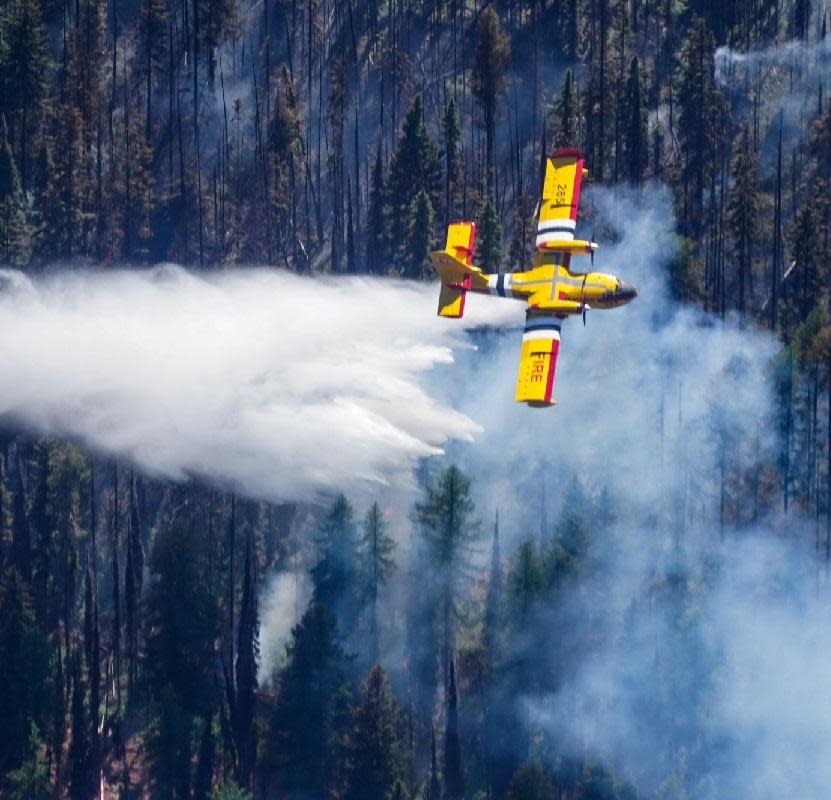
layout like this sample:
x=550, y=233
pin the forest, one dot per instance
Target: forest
x=586, y=648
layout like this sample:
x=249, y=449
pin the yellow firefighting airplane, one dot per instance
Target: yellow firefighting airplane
x=551, y=290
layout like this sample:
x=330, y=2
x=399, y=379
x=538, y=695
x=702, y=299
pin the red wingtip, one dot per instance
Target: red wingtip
x=566, y=152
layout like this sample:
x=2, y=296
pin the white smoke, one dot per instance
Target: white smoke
x=792, y=54
x=652, y=399
x=283, y=601
x=278, y=385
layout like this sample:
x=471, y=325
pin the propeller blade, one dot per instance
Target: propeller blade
x=584, y=316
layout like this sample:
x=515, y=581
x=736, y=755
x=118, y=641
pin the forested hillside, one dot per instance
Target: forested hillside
x=340, y=136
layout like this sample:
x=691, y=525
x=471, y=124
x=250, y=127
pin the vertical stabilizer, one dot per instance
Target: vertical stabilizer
x=456, y=271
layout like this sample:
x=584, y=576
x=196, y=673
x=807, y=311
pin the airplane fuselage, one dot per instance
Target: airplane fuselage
x=550, y=286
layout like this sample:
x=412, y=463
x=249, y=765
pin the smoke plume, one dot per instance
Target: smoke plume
x=691, y=647
x=793, y=54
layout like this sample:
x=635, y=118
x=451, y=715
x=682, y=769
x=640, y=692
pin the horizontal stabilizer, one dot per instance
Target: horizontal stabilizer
x=455, y=269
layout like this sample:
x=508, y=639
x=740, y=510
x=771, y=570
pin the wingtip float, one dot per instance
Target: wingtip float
x=552, y=291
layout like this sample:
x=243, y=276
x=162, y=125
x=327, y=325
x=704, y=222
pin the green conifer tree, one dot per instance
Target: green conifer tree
x=376, y=249
x=489, y=240
x=454, y=782
x=304, y=724
x=743, y=207
x=445, y=518
x=699, y=129
x=635, y=132
x=25, y=69
x=489, y=63
x=377, y=547
x=416, y=260
x=414, y=168
x=246, y=683
x=13, y=238
x=374, y=751
x=24, y=670
x=336, y=574
x=452, y=161
x=564, y=115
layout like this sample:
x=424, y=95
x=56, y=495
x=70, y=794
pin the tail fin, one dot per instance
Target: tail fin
x=454, y=265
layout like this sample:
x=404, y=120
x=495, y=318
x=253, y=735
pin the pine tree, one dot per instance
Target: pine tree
x=21, y=555
x=182, y=616
x=133, y=578
x=635, y=133
x=182, y=622
x=376, y=554
x=376, y=253
x=496, y=720
x=493, y=599
x=351, y=259
x=564, y=116
x=522, y=235
x=42, y=526
x=246, y=684
x=743, y=207
x=335, y=576
x=80, y=779
x=303, y=724
x=419, y=238
x=374, y=752
x=66, y=198
x=30, y=781
x=414, y=168
x=488, y=77
x=24, y=68
x=454, y=782
x=806, y=280
x=92, y=658
x=489, y=249
x=699, y=123
x=525, y=583
x=445, y=518
x=571, y=535
x=24, y=669
x=203, y=780
x=452, y=161
x=530, y=782
x=800, y=18
x=13, y=244
x=154, y=29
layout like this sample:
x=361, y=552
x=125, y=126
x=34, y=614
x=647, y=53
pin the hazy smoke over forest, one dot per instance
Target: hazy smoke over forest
x=284, y=386
x=655, y=401
x=793, y=54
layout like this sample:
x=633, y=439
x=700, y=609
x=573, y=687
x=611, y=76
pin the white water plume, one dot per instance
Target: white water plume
x=281, y=386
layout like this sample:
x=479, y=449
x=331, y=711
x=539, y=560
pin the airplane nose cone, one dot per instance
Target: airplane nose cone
x=626, y=292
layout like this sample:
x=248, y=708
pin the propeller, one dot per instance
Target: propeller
x=591, y=256
x=583, y=295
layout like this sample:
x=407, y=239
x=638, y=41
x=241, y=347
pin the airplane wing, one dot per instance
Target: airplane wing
x=538, y=360
x=564, y=173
